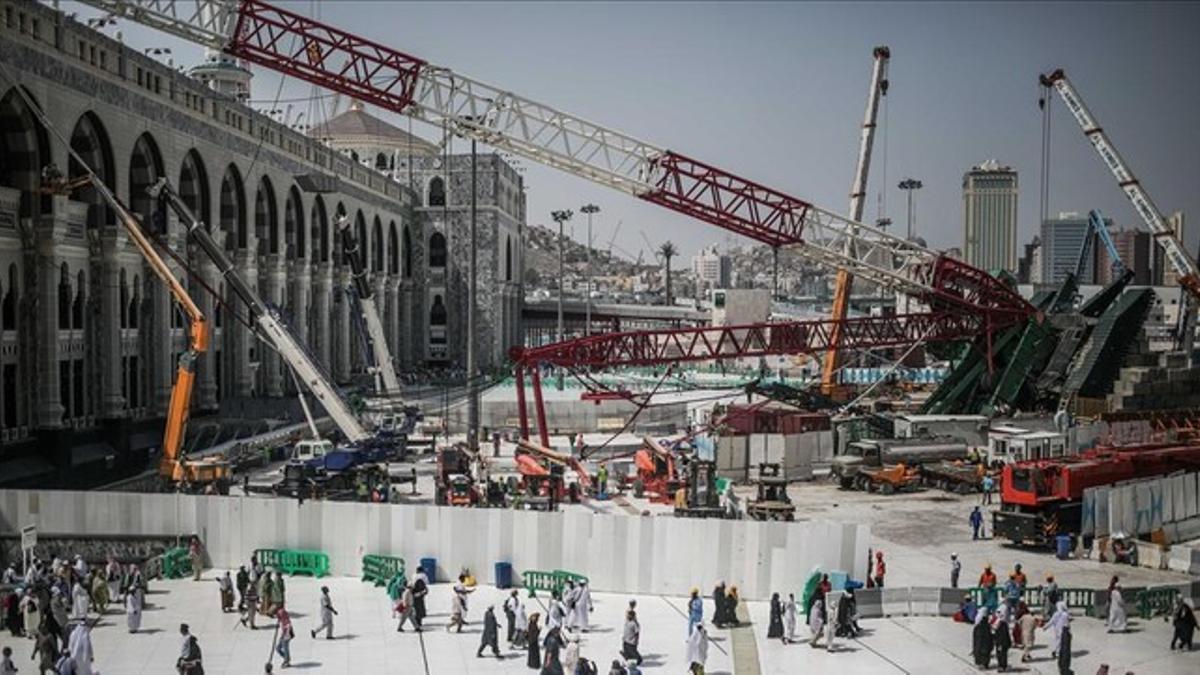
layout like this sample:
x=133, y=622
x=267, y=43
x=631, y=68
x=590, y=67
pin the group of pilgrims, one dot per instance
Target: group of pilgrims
x=58, y=602
x=832, y=613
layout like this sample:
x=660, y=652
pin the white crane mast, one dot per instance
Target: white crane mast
x=1176, y=255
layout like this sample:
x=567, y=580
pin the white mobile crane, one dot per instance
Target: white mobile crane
x=383, y=369
x=1185, y=267
x=267, y=324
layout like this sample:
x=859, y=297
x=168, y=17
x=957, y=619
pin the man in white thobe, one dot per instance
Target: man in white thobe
x=832, y=600
x=133, y=609
x=697, y=647
x=79, y=602
x=583, y=606
x=80, y=646
x=789, y=619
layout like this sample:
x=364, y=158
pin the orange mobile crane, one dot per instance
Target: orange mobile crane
x=173, y=468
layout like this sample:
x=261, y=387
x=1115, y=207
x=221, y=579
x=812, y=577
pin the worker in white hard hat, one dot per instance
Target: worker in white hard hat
x=955, y=569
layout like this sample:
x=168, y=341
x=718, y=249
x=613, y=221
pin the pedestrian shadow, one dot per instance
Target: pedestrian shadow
x=150, y=631
x=1079, y=652
x=305, y=664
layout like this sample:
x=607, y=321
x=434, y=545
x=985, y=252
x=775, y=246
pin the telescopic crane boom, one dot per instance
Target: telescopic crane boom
x=269, y=327
x=384, y=369
x=858, y=193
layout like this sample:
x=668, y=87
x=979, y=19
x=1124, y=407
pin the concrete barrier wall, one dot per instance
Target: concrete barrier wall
x=623, y=554
x=1140, y=507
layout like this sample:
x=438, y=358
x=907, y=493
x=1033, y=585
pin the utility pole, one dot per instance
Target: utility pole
x=589, y=209
x=473, y=281
x=910, y=185
x=561, y=217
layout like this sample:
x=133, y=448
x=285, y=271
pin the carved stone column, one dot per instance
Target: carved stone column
x=322, y=320
x=112, y=399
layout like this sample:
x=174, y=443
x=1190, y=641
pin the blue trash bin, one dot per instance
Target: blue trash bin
x=504, y=575
x=429, y=565
x=1062, y=544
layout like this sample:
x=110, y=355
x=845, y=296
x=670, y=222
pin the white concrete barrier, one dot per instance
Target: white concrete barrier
x=624, y=554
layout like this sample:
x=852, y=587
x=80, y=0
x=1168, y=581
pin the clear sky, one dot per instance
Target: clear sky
x=775, y=92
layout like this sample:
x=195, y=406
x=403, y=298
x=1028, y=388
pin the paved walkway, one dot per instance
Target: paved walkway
x=367, y=641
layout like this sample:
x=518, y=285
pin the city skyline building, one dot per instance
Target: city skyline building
x=990, y=216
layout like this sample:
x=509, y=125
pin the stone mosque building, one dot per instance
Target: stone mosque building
x=89, y=338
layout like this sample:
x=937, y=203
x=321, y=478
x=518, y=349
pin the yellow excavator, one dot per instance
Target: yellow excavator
x=175, y=469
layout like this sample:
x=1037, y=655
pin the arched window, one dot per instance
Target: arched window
x=508, y=258
x=77, y=305
x=381, y=162
x=437, y=313
x=377, y=246
x=437, y=250
x=293, y=226
x=233, y=210
x=437, y=192
x=64, y=298
x=124, y=298
x=266, y=223
x=8, y=311
x=135, y=301
x=408, y=256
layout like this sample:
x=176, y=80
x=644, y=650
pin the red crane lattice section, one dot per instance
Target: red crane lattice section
x=315, y=52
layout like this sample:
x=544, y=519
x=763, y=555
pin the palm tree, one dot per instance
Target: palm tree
x=666, y=252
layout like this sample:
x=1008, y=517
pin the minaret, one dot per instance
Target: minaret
x=224, y=74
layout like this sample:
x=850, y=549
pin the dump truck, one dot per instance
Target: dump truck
x=878, y=453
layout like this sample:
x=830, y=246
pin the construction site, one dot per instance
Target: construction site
x=406, y=371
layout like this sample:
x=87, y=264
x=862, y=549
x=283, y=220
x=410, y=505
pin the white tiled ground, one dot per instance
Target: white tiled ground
x=368, y=643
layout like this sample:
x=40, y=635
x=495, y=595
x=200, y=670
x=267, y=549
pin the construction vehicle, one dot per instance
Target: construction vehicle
x=700, y=498
x=858, y=193
x=772, y=501
x=537, y=462
x=657, y=477
x=960, y=302
x=873, y=454
x=1186, y=270
x=888, y=479
x=455, y=482
x=175, y=469
x=1041, y=499
x=953, y=476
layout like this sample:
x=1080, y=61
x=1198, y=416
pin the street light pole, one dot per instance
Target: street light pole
x=910, y=185
x=473, y=281
x=589, y=209
x=561, y=217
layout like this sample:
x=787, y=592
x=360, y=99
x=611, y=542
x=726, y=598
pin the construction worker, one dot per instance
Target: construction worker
x=602, y=480
x=955, y=569
x=976, y=523
x=880, y=569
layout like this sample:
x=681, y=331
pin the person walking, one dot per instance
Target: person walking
x=250, y=605
x=695, y=611
x=955, y=570
x=1027, y=625
x=407, y=610
x=80, y=648
x=420, y=590
x=570, y=659
x=1001, y=637
x=327, y=614
x=816, y=621
x=284, y=635
x=1184, y=621
x=533, y=659
x=631, y=634
x=697, y=650
x=1117, y=620
x=458, y=607
x=510, y=613
x=880, y=569
x=192, y=661
x=976, y=521
x=196, y=557
x=491, y=634
x=520, y=627
x=988, y=485
x=775, y=625
x=789, y=619
x=242, y=580
x=833, y=601
x=79, y=603
x=552, y=644
x=45, y=651
x=225, y=584
x=133, y=609
x=981, y=639
x=1049, y=596
x=6, y=663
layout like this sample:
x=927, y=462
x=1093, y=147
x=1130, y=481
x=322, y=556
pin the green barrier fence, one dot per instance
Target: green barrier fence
x=1077, y=598
x=554, y=581
x=175, y=563
x=381, y=569
x=293, y=561
x=1156, y=601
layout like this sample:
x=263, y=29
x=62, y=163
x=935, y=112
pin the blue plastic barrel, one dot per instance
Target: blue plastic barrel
x=504, y=575
x=429, y=565
x=1062, y=546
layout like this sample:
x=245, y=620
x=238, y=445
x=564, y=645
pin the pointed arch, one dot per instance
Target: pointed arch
x=377, y=245
x=193, y=186
x=437, y=250
x=294, y=234
x=406, y=242
x=91, y=143
x=319, y=228
x=266, y=220
x=360, y=237
x=145, y=168
x=25, y=147
x=393, y=264
x=436, y=194
x=233, y=209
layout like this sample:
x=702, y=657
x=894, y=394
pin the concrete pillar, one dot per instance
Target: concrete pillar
x=158, y=331
x=112, y=399
x=246, y=265
x=322, y=319
x=300, y=280
x=271, y=364
x=391, y=317
x=206, y=365
x=49, y=233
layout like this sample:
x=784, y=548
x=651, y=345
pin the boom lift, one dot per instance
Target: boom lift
x=384, y=370
x=268, y=325
x=858, y=192
x=1185, y=267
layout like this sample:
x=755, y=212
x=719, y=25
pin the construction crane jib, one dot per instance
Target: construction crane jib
x=1180, y=261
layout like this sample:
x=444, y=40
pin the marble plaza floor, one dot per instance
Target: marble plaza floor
x=367, y=642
